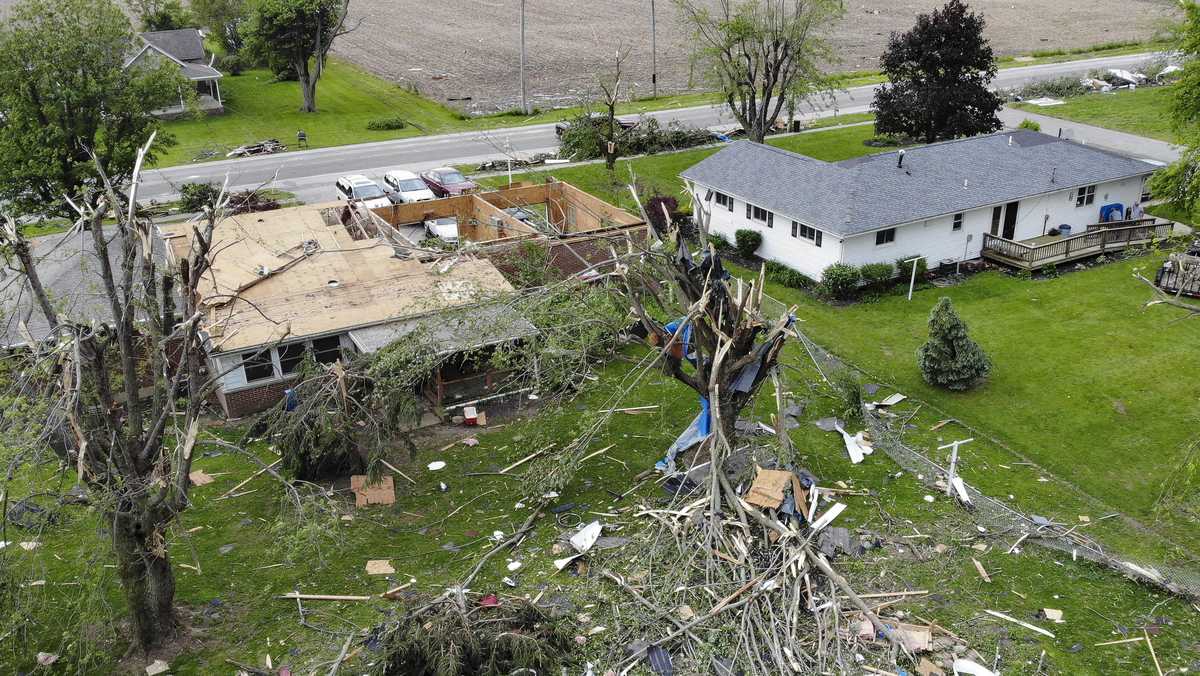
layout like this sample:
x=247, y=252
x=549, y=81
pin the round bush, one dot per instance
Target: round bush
x=840, y=280
x=878, y=274
x=747, y=242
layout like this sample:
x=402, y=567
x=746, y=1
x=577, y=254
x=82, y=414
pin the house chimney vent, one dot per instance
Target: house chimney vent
x=1010, y=140
x=900, y=160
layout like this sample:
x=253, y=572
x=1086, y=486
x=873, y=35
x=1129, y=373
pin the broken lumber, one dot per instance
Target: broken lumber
x=323, y=597
x=526, y=459
x=250, y=478
x=1014, y=620
x=1135, y=639
x=393, y=468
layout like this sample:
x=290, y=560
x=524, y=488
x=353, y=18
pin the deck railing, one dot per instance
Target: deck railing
x=1098, y=239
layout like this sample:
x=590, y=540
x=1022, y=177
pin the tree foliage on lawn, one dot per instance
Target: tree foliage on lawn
x=298, y=33
x=1179, y=184
x=950, y=359
x=764, y=56
x=938, y=76
x=65, y=94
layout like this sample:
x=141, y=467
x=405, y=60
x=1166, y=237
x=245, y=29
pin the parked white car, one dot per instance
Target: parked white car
x=359, y=188
x=445, y=229
x=406, y=187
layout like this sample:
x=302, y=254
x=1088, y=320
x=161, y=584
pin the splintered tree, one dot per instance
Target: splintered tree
x=127, y=389
x=764, y=56
x=610, y=84
x=938, y=75
x=950, y=358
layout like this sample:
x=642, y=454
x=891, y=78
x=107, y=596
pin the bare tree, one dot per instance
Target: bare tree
x=762, y=55
x=610, y=84
x=129, y=389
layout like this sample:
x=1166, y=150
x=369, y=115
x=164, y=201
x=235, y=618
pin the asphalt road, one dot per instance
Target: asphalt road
x=310, y=174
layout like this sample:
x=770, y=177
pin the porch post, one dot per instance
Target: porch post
x=217, y=87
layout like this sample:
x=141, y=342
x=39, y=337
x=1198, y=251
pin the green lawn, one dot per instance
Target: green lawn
x=349, y=97
x=1145, y=111
x=661, y=172
x=1085, y=382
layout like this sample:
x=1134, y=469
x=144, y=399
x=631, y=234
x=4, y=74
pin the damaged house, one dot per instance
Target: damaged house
x=336, y=279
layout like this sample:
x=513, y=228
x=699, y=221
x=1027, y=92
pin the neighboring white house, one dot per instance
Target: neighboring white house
x=183, y=47
x=936, y=201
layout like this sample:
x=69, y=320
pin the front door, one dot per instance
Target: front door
x=1010, y=219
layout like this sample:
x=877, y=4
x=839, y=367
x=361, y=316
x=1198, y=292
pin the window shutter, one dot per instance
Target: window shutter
x=817, y=241
x=749, y=211
x=770, y=220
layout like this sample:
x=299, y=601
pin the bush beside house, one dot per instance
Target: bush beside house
x=747, y=242
x=840, y=281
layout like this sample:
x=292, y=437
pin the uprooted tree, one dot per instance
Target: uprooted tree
x=126, y=391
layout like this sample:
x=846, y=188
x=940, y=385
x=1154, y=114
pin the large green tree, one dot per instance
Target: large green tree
x=950, y=359
x=65, y=94
x=1179, y=184
x=225, y=18
x=764, y=56
x=938, y=75
x=300, y=33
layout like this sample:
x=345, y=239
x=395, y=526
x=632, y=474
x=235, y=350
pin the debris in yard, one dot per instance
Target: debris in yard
x=660, y=660
x=827, y=424
x=489, y=601
x=323, y=597
x=437, y=465
x=769, y=488
x=200, y=478
x=470, y=441
x=927, y=668
x=382, y=492
x=828, y=517
x=46, y=659
x=157, y=667
x=264, y=470
x=1014, y=620
x=982, y=573
x=969, y=668
x=1053, y=614
x=380, y=567
x=224, y=549
x=833, y=540
x=929, y=498
x=524, y=460
x=855, y=445
x=915, y=637
x=940, y=424
x=891, y=400
x=583, y=540
x=514, y=566
x=392, y=467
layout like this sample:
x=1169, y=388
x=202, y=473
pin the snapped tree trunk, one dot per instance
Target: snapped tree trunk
x=146, y=579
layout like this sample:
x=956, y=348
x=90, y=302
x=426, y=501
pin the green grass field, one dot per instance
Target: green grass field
x=1145, y=111
x=660, y=173
x=349, y=97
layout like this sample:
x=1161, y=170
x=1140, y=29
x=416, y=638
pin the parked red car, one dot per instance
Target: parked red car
x=446, y=182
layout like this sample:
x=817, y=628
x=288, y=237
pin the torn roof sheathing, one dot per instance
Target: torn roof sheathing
x=284, y=275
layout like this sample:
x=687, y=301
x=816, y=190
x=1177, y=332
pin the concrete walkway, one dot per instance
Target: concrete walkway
x=1121, y=142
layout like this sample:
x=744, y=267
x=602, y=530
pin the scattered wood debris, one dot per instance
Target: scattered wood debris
x=383, y=492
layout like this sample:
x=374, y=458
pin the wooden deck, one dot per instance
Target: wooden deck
x=1101, y=238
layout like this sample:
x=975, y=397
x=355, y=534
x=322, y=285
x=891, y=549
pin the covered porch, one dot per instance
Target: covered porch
x=1100, y=238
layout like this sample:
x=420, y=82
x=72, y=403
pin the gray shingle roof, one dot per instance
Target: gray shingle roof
x=184, y=44
x=869, y=193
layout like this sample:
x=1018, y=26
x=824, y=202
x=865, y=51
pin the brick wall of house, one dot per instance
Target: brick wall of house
x=252, y=400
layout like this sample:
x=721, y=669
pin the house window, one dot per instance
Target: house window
x=811, y=234
x=958, y=221
x=885, y=237
x=327, y=350
x=290, y=357
x=997, y=212
x=724, y=200
x=761, y=215
x=258, y=365
x=1085, y=196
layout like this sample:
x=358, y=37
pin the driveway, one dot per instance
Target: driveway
x=1126, y=144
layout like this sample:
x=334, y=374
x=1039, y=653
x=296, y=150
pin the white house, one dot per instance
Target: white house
x=936, y=201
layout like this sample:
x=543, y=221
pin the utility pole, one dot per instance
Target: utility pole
x=653, y=51
x=524, y=92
